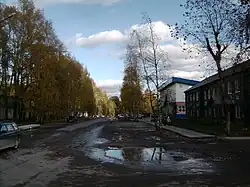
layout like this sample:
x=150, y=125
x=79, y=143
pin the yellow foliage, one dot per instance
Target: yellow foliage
x=43, y=77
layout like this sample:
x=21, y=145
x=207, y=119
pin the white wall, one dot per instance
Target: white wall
x=180, y=89
x=175, y=93
x=170, y=92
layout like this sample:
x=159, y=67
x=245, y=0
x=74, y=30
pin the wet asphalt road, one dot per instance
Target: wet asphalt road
x=122, y=154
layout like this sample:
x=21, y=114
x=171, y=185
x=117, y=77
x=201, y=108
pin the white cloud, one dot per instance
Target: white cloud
x=162, y=30
x=181, y=63
x=106, y=37
x=111, y=86
x=196, y=75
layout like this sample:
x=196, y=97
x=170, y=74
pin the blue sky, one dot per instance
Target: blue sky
x=93, y=32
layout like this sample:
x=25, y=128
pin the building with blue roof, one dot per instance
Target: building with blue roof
x=172, y=96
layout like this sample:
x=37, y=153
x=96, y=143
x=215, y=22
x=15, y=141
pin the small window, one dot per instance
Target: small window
x=197, y=96
x=198, y=112
x=183, y=108
x=180, y=109
x=213, y=94
x=237, y=112
x=229, y=88
x=10, y=128
x=237, y=86
x=214, y=111
x=208, y=94
x=210, y=112
x=205, y=94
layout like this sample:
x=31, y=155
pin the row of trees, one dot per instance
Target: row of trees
x=38, y=76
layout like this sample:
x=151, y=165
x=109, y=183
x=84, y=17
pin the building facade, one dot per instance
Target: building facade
x=172, y=96
x=203, y=101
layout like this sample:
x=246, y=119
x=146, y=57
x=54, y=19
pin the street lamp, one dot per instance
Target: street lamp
x=8, y=17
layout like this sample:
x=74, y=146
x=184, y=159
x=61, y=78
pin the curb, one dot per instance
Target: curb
x=183, y=135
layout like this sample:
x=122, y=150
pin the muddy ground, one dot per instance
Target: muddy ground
x=101, y=153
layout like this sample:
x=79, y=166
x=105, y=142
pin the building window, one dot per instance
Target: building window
x=205, y=94
x=198, y=112
x=213, y=94
x=197, y=96
x=179, y=109
x=229, y=88
x=237, y=112
x=208, y=94
x=209, y=112
x=222, y=112
x=183, y=109
x=214, y=112
x=222, y=87
x=237, y=86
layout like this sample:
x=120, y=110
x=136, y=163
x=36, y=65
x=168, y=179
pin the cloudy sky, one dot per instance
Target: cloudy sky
x=94, y=30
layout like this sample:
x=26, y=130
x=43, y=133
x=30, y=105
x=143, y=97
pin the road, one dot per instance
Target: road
x=102, y=153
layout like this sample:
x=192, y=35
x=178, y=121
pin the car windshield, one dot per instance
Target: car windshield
x=15, y=126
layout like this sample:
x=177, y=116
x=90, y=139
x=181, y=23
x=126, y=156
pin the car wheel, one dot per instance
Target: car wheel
x=17, y=143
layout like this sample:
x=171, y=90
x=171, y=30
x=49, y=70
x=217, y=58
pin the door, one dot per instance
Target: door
x=3, y=137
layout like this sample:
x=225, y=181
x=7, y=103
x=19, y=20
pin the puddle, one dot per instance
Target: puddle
x=89, y=138
x=151, y=159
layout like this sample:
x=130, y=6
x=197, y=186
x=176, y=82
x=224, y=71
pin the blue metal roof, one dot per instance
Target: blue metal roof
x=180, y=81
x=184, y=81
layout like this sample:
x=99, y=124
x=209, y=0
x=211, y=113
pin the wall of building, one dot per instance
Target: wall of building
x=169, y=94
x=180, y=89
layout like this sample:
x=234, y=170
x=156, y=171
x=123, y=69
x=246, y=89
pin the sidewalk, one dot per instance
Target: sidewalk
x=28, y=127
x=194, y=134
x=183, y=132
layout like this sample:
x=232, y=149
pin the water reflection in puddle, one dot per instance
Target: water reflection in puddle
x=151, y=158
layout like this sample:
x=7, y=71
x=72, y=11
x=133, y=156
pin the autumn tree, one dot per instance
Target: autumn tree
x=118, y=105
x=40, y=80
x=131, y=93
x=145, y=46
x=148, y=102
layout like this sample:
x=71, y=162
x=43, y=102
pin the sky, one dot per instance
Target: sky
x=94, y=31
